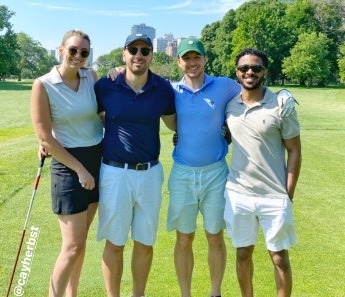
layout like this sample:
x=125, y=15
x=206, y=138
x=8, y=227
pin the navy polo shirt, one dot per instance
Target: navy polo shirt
x=132, y=121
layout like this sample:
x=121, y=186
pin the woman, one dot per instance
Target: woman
x=65, y=119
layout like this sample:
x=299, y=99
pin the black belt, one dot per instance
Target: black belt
x=138, y=166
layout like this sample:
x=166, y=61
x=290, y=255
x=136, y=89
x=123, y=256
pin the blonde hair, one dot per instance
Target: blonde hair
x=75, y=33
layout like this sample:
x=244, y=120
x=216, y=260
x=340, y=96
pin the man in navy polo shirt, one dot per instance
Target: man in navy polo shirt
x=131, y=175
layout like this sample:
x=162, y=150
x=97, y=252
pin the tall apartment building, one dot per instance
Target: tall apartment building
x=160, y=44
x=143, y=29
x=171, y=49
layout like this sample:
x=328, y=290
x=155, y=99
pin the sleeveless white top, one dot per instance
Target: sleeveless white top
x=75, y=120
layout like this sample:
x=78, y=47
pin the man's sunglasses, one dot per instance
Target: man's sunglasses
x=254, y=68
x=145, y=51
x=73, y=51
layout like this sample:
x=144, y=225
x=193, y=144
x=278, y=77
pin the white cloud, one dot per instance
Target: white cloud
x=193, y=7
x=200, y=7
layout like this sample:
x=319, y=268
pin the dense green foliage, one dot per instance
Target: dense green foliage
x=308, y=59
x=33, y=59
x=8, y=43
x=304, y=40
x=277, y=27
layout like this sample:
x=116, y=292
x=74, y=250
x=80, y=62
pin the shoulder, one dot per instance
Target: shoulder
x=162, y=82
x=89, y=72
x=38, y=83
x=270, y=96
x=102, y=81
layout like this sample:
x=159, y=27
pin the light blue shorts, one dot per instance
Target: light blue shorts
x=129, y=200
x=194, y=189
x=245, y=214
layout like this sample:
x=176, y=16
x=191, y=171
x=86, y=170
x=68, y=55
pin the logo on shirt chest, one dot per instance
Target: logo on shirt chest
x=210, y=103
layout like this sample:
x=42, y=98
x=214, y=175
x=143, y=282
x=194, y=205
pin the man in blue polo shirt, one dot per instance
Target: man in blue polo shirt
x=131, y=175
x=199, y=171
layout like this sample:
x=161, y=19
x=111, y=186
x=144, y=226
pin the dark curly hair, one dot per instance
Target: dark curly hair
x=255, y=52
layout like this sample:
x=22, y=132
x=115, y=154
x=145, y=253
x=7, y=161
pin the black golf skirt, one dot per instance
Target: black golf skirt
x=68, y=196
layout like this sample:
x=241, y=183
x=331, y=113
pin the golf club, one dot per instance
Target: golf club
x=38, y=176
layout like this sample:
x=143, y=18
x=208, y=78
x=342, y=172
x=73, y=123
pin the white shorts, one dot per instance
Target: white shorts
x=245, y=214
x=129, y=200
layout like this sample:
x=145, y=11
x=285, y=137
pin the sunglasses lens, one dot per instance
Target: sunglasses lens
x=145, y=51
x=243, y=68
x=72, y=51
x=257, y=68
x=254, y=68
x=132, y=50
x=84, y=54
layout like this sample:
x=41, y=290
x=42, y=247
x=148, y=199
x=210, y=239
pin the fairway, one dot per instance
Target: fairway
x=317, y=259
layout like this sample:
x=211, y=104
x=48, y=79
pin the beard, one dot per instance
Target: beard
x=254, y=86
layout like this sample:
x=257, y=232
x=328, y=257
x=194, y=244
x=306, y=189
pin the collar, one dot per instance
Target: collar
x=182, y=85
x=152, y=80
x=56, y=77
x=268, y=98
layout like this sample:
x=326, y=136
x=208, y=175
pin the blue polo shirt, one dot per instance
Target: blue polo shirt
x=200, y=117
x=132, y=121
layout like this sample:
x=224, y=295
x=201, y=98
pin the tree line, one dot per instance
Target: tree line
x=304, y=39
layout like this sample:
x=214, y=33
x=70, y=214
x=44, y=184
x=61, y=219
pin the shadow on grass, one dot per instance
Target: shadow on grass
x=13, y=193
x=16, y=85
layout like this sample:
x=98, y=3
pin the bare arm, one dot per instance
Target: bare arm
x=42, y=123
x=170, y=121
x=294, y=161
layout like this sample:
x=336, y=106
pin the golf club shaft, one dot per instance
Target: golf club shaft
x=38, y=176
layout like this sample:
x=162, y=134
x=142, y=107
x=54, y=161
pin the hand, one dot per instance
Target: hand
x=226, y=133
x=286, y=103
x=86, y=180
x=114, y=72
x=43, y=152
x=175, y=138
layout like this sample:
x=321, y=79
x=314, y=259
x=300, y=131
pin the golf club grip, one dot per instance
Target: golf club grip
x=37, y=180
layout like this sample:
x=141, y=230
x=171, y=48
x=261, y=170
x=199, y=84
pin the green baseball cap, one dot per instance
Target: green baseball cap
x=190, y=44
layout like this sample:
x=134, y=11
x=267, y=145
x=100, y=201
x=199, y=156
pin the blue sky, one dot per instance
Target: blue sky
x=108, y=22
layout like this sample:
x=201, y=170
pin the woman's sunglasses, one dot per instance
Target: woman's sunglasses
x=73, y=51
x=145, y=51
x=254, y=68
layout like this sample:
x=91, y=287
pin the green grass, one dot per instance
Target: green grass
x=317, y=259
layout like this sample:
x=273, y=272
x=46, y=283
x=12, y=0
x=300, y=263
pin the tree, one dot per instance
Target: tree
x=162, y=58
x=341, y=63
x=223, y=44
x=261, y=25
x=208, y=36
x=162, y=64
x=176, y=73
x=330, y=16
x=308, y=60
x=8, y=43
x=34, y=60
x=105, y=62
